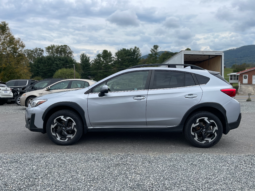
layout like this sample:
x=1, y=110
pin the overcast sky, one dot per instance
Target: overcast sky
x=90, y=26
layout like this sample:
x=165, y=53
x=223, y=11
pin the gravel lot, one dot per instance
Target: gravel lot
x=124, y=161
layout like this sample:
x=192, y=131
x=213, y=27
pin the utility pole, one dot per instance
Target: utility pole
x=74, y=70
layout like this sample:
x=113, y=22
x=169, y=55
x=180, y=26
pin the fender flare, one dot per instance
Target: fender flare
x=72, y=105
x=207, y=105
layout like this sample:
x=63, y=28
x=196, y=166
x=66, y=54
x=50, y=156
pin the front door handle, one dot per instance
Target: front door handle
x=190, y=96
x=139, y=97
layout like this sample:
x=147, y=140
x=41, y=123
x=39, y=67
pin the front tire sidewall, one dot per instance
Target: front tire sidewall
x=192, y=119
x=75, y=117
x=27, y=100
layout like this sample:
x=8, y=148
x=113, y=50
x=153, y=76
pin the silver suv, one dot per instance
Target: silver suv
x=188, y=99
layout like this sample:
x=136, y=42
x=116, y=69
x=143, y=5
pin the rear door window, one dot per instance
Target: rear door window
x=21, y=83
x=168, y=79
x=79, y=84
x=189, y=80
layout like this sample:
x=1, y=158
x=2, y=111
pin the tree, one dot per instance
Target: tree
x=59, y=50
x=33, y=54
x=165, y=56
x=241, y=67
x=46, y=66
x=125, y=58
x=66, y=73
x=101, y=66
x=85, y=66
x=188, y=49
x=153, y=56
x=13, y=61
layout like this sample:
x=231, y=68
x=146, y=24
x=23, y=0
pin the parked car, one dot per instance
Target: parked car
x=5, y=94
x=197, y=102
x=17, y=85
x=63, y=85
x=36, y=86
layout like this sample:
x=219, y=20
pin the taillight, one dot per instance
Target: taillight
x=230, y=92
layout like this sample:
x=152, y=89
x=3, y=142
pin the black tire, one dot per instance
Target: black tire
x=29, y=99
x=58, y=134
x=17, y=101
x=196, y=132
x=2, y=102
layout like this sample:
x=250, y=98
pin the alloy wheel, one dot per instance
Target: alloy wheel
x=204, y=130
x=63, y=128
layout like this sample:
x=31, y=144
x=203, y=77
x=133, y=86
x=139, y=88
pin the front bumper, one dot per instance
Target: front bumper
x=30, y=122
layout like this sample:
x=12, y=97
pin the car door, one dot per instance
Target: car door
x=170, y=96
x=124, y=106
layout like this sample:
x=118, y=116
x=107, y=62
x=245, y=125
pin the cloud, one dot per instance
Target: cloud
x=183, y=34
x=124, y=18
x=91, y=26
x=171, y=22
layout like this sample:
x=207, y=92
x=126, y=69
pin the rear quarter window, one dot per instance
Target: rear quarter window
x=202, y=79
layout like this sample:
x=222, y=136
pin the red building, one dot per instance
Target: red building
x=247, y=76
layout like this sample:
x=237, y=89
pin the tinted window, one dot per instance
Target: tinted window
x=126, y=82
x=168, y=79
x=202, y=79
x=42, y=84
x=10, y=83
x=60, y=85
x=21, y=83
x=189, y=81
x=79, y=84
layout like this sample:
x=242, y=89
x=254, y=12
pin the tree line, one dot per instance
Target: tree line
x=58, y=61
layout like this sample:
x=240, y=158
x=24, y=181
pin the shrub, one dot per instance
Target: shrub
x=66, y=74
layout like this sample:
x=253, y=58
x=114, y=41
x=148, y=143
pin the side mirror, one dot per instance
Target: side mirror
x=104, y=89
x=48, y=89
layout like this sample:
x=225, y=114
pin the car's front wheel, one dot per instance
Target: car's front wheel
x=64, y=127
x=29, y=100
x=203, y=129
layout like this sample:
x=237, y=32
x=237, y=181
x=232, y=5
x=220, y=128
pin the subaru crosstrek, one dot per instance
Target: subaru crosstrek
x=188, y=99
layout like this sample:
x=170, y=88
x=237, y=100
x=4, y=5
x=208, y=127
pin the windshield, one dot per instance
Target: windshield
x=42, y=84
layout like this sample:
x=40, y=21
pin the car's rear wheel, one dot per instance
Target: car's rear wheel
x=64, y=127
x=203, y=129
x=29, y=100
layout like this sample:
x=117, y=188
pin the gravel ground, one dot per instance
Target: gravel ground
x=29, y=161
x=106, y=171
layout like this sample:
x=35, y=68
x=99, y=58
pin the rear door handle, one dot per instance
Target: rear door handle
x=190, y=96
x=139, y=97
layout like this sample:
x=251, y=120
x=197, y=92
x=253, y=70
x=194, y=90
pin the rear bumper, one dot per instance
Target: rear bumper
x=234, y=125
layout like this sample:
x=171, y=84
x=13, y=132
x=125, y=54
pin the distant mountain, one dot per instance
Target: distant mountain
x=159, y=53
x=244, y=54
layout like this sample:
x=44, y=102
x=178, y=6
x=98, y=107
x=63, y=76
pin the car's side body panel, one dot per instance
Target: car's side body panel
x=166, y=107
x=118, y=109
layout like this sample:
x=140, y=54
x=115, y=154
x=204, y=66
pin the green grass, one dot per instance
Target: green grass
x=226, y=72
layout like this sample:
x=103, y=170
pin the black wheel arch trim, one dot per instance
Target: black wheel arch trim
x=74, y=106
x=207, y=105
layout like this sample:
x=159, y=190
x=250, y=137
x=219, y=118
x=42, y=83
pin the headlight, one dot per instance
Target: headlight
x=35, y=103
x=23, y=95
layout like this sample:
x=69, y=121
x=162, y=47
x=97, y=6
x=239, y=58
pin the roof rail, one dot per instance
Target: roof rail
x=169, y=66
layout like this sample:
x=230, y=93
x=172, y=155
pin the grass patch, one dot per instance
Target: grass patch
x=226, y=72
